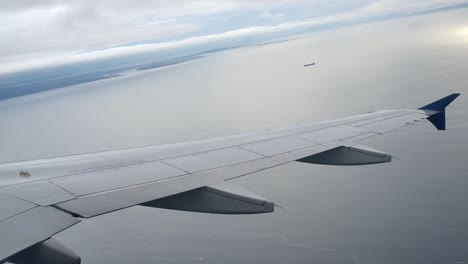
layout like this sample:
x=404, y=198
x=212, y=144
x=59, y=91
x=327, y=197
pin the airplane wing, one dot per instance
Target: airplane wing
x=40, y=198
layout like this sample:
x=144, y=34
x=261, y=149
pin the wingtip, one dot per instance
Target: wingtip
x=436, y=110
x=441, y=104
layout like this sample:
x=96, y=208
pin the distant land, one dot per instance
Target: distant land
x=21, y=89
x=178, y=60
x=41, y=80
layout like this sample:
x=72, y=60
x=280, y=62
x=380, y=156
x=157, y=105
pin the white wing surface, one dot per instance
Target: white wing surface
x=40, y=198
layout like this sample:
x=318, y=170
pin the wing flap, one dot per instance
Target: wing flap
x=31, y=227
x=95, y=182
x=387, y=125
x=212, y=160
x=11, y=206
x=41, y=193
x=328, y=135
x=379, y=118
x=278, y=146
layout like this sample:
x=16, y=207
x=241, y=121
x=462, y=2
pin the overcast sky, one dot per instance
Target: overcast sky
x=47, y=32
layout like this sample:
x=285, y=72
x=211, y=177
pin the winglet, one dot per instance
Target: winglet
x=440, y=104
x=436, y=110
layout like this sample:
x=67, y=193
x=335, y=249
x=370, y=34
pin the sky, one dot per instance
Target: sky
x=45, y=33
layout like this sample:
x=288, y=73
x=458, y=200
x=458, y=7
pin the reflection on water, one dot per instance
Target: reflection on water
x=412, y=210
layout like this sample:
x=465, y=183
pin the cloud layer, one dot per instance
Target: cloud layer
x=41, y=33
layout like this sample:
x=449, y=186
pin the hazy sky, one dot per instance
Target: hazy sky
x=49, y=32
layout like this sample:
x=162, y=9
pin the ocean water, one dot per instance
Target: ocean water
x=412, y=210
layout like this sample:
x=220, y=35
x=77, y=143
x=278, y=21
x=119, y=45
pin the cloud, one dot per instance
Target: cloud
x=47, y=32
x=380, y=7
x=155, y=23
x=266, y=15
x=74, y=57
x=59, y=26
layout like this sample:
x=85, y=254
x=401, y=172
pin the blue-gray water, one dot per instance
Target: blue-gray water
x=412, y=210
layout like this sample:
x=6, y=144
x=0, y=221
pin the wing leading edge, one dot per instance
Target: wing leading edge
x=188, y=176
